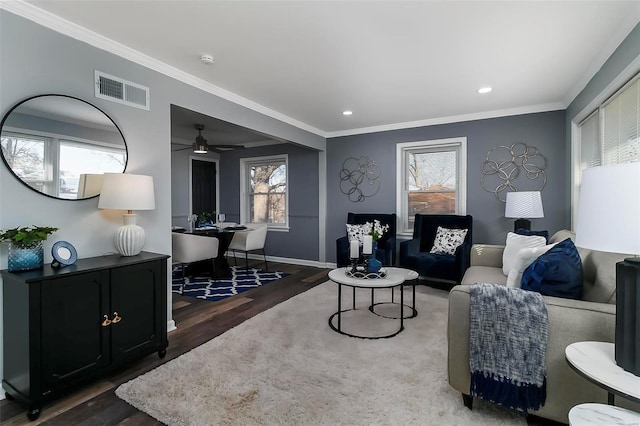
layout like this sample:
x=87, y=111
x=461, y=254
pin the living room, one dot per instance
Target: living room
x=54, y=56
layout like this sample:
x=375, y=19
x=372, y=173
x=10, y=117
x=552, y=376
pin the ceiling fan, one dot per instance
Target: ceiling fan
x=200, y=146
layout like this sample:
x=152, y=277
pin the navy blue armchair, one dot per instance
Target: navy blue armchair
x=414, y=254
x=386, y=252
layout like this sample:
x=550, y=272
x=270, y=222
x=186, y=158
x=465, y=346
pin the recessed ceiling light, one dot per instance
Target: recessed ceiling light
x=206, y=59
x=485, y=90
x=347, y=112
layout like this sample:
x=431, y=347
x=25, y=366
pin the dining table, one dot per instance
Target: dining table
x=224, y=235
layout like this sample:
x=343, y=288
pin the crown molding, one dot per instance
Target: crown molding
x=452, y=119
x=75, y=31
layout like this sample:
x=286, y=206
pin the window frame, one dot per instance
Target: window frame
x=245, y=193
x=52, y=151
x=434, y=145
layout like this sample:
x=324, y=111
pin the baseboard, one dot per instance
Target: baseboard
x=171, y=325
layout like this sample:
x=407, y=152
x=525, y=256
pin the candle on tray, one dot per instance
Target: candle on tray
x=367, y=244
x=354, y=249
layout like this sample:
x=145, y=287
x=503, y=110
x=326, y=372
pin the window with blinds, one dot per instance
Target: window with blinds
x=620, y=117
x=590, y=146
x=610, y=134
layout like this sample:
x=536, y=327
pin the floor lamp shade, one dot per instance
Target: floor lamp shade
x=609, y=220
x=123, y=191
x=523, y=205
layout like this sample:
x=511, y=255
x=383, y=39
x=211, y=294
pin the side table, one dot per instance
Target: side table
x=412, y=280
x=395, y=277
x=602, y=415
x=595, y=362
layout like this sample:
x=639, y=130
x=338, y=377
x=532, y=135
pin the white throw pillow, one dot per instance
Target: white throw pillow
x=448, y=240
x=515, y=242
x=524, y=258
x=356, y=232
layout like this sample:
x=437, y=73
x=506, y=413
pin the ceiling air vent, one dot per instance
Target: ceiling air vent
x=122, y=91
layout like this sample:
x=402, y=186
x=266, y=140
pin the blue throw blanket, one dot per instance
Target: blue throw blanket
x=508, y=346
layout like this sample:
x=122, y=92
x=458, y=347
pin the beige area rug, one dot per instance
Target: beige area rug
x=286, y=366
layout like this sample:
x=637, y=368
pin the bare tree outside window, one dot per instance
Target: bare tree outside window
x=431, y=179
x=431, y=182
x=23, y=153
x=26, y=156
x=267, y=188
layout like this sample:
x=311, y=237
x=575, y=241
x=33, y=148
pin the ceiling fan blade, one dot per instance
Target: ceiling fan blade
x=229, y=146
x=184, y=147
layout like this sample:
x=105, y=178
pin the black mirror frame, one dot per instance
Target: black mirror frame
x=4, y=118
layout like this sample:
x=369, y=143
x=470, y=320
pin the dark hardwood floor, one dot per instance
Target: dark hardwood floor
x=198, y=321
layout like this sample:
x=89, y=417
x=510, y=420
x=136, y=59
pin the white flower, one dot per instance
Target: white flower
x=377, y=229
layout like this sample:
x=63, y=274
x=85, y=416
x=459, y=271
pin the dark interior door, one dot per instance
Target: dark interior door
x=203, y=186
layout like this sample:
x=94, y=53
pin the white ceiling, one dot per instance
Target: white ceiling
x=394, y=63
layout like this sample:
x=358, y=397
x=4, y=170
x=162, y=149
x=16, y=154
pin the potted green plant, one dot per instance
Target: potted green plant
x=205, y=219
x=25, y=246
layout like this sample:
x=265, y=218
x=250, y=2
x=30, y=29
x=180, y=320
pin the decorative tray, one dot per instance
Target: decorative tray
x=363, y=275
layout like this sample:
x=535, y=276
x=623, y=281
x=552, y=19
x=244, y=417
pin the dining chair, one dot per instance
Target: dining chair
x=251, y=239
x=189, y=248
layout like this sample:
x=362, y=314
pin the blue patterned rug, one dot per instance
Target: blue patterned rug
x=203, y=287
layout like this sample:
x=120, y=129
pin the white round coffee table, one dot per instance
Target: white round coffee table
x=412, y=280
x=602, y=415
x=394, y=277
x=595, y=361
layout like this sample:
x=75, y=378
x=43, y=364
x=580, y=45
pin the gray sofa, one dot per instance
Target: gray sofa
x=590, y=319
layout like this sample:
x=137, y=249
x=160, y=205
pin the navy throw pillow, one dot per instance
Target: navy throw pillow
x=545, y=234
x=558, y=272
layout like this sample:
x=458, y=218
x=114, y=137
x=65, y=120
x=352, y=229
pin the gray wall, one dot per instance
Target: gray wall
x=301, y=241
x=545, y=131
x=35, y=60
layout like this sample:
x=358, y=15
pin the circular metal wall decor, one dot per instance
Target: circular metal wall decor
x=504, y=164
x=359, y=178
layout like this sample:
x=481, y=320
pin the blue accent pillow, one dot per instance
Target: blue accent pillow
x=545, y=234
x=558, y=272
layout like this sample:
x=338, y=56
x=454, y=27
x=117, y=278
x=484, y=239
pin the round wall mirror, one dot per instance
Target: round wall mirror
x=60, y=146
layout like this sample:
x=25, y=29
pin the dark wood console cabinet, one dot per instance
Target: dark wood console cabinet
x=70, y=325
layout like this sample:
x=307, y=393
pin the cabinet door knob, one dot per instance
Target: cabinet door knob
x=106, y=321
x=116, y=318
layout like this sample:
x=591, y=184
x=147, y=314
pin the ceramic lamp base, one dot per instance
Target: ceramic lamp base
x=130, y=237
x=627, y=344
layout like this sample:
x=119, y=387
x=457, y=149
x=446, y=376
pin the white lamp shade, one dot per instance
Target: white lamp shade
x=524, y=204
x=609, y=209
x=124, y=191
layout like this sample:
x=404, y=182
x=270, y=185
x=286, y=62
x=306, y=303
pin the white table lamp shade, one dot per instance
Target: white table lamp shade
x=121, y=191
x=609, y=209
x=524, y=204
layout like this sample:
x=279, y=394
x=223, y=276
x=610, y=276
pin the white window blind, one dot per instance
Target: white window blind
x=620, y=121
x=590, y=146
x=610, y=135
